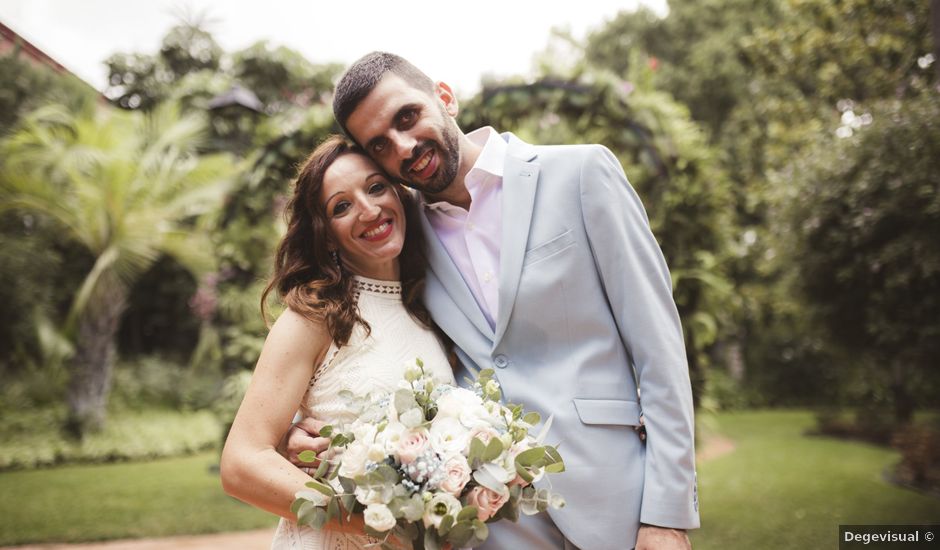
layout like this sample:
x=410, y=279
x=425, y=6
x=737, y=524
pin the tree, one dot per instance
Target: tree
x=866, y=212
x=665, y=156
x=125, y=187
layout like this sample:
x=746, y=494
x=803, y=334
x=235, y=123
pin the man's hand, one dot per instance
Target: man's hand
x=651, y=537
x=304, y=436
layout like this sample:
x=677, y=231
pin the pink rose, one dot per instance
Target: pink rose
x=518, y=481
x=487, y=501
x=483, y=433
x=412, y=444
x=456, y=475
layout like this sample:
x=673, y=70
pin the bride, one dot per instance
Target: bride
x=350, y=271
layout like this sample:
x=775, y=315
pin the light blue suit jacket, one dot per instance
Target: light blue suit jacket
x=585, y=315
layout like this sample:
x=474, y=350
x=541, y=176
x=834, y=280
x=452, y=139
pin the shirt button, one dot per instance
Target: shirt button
x=470, y=226
x=487, y=277
x=501, y=361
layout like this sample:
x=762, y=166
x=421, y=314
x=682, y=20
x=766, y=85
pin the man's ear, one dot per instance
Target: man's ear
x=447, y=97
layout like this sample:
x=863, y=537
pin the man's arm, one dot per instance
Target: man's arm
x=639, y=289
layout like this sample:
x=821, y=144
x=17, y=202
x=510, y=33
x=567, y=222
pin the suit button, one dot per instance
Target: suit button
x=501, y=361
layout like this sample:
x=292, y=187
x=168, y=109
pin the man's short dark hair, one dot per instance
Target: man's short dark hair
x=362, y=77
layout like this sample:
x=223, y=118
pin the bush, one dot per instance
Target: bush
x=156, y=382
x=32, y=438
x=920, y=457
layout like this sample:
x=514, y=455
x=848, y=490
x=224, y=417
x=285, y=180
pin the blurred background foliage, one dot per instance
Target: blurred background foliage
x=788, y=153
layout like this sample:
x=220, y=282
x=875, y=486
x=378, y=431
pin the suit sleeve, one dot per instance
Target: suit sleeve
x=636, y=281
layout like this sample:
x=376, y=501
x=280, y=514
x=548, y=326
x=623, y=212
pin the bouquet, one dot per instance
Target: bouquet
x=431, y=463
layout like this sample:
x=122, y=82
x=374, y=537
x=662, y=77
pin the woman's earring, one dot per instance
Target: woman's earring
x=335, y=255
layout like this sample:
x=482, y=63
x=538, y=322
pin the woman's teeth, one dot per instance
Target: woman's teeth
x=376, y=231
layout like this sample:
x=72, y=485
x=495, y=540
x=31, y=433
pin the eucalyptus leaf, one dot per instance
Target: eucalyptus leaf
x=493, y=449
x=467, y=512
x=307, y=456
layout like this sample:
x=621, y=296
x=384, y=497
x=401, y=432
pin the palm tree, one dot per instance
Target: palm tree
x=127, y=187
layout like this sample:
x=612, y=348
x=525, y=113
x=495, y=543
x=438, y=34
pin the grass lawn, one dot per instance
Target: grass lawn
x=780, y=489
x=777, y=490
x=143, y=499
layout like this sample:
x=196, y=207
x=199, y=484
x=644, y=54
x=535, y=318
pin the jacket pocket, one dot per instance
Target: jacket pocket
x=608, y=411
x=549, y=247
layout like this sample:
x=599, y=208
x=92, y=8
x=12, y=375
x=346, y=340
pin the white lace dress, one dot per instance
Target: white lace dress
x=367, y=363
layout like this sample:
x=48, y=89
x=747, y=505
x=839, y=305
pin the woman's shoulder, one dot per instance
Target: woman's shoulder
x=299, y=330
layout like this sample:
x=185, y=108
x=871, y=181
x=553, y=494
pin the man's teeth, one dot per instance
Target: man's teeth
x=422, y=163
x=378, y=230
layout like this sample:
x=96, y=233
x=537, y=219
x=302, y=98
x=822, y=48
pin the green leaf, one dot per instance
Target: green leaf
x=460, y=534
x=531, y=457
x=431, y=541
x=321, y=487
x=532, y=418
x=467, y=512
x=332, y=509
x=477, y=448
x=307, y=456
x=480, y=530
x=446, y=523
x=493, y=450
x=326, y=431
x=524, y=473
x=404, y=400
x=321, y=469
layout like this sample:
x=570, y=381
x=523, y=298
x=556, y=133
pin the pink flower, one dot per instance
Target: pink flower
x=487, y=501
x=483, y=433
x=412, y=444
x=456, y=475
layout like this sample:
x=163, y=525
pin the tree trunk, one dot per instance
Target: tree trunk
x=93, y=362
x=903, y=402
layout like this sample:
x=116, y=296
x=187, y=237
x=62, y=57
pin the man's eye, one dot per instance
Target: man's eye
x=408, y=118
x=378, y=147
x=377, y=187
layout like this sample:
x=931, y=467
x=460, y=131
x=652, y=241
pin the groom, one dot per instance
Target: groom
x=543, y=267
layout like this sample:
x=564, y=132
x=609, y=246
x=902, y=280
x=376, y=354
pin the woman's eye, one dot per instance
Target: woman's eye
x=340, y=208
x=377, y=188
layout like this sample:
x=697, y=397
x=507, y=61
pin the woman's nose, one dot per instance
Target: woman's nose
x=369, y=211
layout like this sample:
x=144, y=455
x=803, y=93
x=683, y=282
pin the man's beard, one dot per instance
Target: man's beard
x=449, y=161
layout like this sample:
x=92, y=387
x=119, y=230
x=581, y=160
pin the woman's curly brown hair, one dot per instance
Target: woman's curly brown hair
x=307, y=279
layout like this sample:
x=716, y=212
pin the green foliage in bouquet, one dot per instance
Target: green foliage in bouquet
x=431, y=463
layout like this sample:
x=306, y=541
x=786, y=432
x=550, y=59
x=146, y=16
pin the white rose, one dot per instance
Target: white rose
x=382, y=495
x=354, y=459
x=379, y=517
x=457, y=400
x=364, y=432
x=440, y=505
x=448, y=436
x=389, y=437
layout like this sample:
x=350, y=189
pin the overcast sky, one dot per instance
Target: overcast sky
x=456, y=45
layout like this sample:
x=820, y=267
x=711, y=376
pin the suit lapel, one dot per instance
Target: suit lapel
x=439, y=261
x=520, y=179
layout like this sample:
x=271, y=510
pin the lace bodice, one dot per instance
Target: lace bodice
x=371, y=361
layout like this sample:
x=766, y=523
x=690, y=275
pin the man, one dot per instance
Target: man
x=543, y=266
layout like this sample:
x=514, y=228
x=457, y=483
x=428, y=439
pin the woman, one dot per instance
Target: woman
x=350, y=272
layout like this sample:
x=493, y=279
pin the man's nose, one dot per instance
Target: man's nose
x=404, y=145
